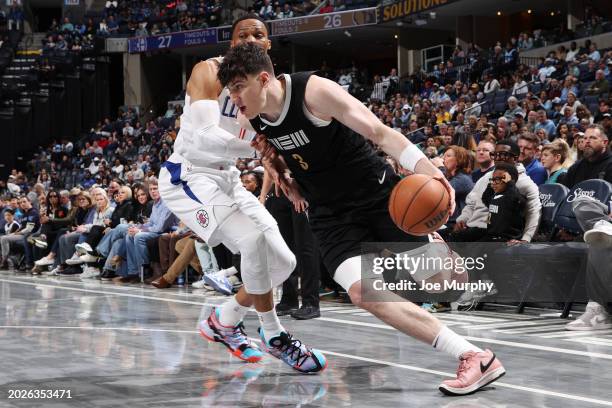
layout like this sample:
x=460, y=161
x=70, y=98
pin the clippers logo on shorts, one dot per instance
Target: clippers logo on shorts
x=290, y=141
x=202, y=217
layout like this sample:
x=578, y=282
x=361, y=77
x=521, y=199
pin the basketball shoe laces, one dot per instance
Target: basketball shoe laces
x=235, y=336
x=291, y=347
x=465, y=364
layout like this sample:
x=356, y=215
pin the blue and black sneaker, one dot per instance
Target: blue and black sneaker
x=295, y=353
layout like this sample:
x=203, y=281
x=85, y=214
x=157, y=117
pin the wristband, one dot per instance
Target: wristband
x=410, y=157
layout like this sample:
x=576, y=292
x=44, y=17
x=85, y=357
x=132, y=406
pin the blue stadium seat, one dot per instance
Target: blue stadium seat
x=598, y=189
x=551, y=197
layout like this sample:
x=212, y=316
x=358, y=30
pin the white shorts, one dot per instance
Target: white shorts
x=203, y=198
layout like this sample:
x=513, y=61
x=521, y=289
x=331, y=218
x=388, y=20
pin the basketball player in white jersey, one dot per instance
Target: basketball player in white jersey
x=201, y=185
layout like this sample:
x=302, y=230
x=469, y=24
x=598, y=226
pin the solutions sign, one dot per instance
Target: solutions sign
x=408, y=7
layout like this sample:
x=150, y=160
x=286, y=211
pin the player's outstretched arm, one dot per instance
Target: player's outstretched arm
x=203, y=89
x=326, y=99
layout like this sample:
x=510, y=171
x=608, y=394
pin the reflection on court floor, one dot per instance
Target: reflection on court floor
x=138, y=347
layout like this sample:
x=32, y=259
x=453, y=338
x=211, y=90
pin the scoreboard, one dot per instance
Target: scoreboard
x=289, y=26
x=322, y=22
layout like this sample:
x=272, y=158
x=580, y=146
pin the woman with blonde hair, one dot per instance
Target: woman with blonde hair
x=555, y=158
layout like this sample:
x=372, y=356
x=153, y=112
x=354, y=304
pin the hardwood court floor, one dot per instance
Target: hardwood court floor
x=135, y=346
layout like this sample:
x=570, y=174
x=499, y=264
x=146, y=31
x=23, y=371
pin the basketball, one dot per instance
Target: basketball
x=419, y=204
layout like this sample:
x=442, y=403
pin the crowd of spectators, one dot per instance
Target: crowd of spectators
x=91, y=208
x=500, y=126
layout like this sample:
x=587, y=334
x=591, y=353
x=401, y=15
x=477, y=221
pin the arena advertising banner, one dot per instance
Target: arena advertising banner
x=409, y=7
x=297, y=25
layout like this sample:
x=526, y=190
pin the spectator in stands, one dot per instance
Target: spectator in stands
x=568, y=118
x=568, y=86
x=137, y=235
x=600, y=86
x=30, y=222
x=525, y=42
x=472, y=223
x=532, y=121
x=596, y=162
x=142, y=205
x=572, y=101
x=547, y=70
x=555, y=159
x=113, y=27
x=528, y=146
x=10, y=224
x=594, y=55
x=67, y=26
x=287, y=11
x=589, y=74
x=506, y=206
x=572, y=53
x=484, y=161
x=491, y=86
x=267, y=10
x=604, y=107
x=520, y=87
x=513, y=109
x=456, y=168
x=544, y=123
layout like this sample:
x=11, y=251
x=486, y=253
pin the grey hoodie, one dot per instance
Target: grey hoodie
x=475, y=212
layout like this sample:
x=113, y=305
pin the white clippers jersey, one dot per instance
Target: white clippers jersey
x=187, y=145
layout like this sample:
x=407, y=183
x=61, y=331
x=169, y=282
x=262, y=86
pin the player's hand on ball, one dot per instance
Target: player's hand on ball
x=451, y=192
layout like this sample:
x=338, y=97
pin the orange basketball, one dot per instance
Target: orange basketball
x=419, y=204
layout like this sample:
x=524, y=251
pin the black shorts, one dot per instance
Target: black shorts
x=341, y=233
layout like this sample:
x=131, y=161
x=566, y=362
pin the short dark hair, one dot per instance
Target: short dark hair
x=249, y=16
x=9, y=211
x=530, y=137
x=242, y=61
x=510, y=169
x=600, y=128
x=514, y=149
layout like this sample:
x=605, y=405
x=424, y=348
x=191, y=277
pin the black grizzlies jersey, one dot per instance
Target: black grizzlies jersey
x=334, y=166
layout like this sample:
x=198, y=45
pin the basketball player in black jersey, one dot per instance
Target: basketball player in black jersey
x=319, y=131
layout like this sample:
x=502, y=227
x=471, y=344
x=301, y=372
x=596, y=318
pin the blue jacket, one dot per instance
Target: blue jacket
x=537, y=172
x=161, y=220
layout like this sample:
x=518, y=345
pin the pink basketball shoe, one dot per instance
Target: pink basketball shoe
x=475, y=371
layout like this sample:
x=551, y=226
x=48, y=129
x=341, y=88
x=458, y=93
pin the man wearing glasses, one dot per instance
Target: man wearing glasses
x=30, y=222
x=472, y=223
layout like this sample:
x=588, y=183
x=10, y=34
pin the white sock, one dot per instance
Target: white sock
x=452, y=343
x=270, y=324
x=232, y=312
x=228, y=272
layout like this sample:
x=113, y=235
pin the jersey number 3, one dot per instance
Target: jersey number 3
x=301, y=161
